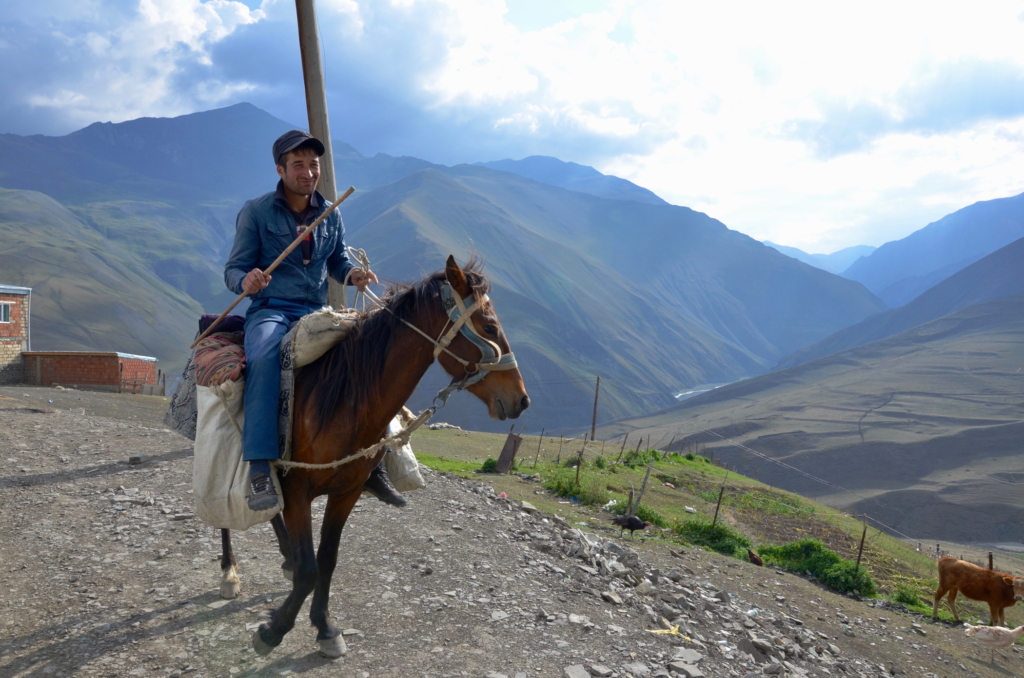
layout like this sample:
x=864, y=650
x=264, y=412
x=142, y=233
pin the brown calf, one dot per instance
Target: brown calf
x=999, y=589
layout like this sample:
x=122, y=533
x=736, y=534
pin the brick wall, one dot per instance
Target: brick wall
x=13, y=338
x=105, y=371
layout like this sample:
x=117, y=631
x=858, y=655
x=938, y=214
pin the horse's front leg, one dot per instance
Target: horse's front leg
x=329, y=636
x=229, y=583
x=300, y=535
x=288, y=566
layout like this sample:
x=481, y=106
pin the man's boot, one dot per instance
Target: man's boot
x=379, y=485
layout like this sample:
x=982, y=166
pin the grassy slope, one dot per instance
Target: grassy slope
x=763, y=513
x=923, y=428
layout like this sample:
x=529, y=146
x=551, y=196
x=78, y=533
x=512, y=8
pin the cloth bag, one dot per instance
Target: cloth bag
x=400, y=463
x=220, y=478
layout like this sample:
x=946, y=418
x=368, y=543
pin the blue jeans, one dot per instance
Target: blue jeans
x=266, y=323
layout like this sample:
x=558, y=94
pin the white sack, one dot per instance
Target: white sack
x=220, y=479
x=401, y=464
x=319, y=331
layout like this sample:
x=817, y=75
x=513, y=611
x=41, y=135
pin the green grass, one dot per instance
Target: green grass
x=834, y=571
x=719, y=537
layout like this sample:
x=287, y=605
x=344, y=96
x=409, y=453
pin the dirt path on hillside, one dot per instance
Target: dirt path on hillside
x=105, y=572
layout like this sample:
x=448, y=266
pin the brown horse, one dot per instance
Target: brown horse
x=343, y=404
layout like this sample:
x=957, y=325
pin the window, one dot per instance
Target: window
x=5, y=313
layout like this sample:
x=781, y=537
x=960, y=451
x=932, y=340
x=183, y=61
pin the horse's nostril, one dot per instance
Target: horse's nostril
x=524, y=403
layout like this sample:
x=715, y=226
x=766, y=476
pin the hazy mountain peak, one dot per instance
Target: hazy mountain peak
x=837, y=262
x=574, y=177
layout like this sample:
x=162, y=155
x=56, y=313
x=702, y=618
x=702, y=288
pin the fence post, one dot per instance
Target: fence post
x=990, y=560
x=622, y=449
x=579, y=460
x=539, y=442
x=860, y=550
x=719, y=504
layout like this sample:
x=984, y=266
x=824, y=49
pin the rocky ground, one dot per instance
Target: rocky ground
x=105, y=572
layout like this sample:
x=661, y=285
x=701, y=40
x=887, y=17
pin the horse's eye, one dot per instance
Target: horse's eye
x=491, y=330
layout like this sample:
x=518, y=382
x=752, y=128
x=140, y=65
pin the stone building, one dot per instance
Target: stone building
x=15, y=303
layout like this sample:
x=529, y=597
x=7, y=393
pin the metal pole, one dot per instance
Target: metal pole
x=316, y=111
x=593, y=423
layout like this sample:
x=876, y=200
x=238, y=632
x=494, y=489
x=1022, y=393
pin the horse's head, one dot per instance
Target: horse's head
x=482, y=343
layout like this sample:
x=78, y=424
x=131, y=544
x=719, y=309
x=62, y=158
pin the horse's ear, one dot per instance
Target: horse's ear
x=1008, y=580
x=456, y=277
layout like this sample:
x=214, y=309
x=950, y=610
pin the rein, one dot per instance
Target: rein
x=491, y=360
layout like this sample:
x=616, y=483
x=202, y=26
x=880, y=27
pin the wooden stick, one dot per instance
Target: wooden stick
x=287, y=251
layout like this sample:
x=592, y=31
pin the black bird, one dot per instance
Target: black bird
x=631, y=523
x=754, y=558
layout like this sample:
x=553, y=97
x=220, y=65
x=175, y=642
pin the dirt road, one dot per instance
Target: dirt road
x=105, y=572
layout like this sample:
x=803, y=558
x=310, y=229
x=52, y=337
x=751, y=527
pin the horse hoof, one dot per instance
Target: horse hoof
x=289, y=575
x=332, y=648
x=258, y=644
x=229, y=589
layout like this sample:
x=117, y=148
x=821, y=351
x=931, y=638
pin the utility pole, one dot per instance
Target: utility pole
x=593, y=423
x=316, y=111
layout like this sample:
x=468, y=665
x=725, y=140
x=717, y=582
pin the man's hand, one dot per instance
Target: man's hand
x=362, y=278
x=254, y=281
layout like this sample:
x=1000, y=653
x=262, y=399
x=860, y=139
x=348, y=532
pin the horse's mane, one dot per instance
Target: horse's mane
x=349, y=373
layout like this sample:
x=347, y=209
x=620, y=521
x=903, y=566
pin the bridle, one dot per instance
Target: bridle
x=491, y=357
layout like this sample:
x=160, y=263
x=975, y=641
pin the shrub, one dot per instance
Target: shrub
x=810, y=555
x=600, y=463
x=690, y=456
x=906, y=595
x=490, y=466
x=720, y=538
x=588, y=493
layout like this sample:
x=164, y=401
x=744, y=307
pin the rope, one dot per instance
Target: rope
x=400, y=438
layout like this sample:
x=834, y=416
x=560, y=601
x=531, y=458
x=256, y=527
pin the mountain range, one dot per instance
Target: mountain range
x=836, y=262
x=900, y=270
x=654, y=297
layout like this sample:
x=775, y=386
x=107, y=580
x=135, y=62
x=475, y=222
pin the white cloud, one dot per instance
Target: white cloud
x=812, y=124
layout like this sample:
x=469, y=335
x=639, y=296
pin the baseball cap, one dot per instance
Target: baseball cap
x=289, y=141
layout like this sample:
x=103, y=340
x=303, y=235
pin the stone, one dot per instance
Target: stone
x=495, y=675
x=686, y=670
x=600, y=671
x=643, y=588
x=576, y=671
x=687, y=656
x=578, y=619
x=611, y=597
x=135, y=459
x=722, y=596
x=637, y=669
x=773, y=669
x=498, y=615
x=528, y=507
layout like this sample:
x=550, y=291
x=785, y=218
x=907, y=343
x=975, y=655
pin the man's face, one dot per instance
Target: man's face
x=300, y=170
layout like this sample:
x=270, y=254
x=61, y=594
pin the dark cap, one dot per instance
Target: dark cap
x=289, y=141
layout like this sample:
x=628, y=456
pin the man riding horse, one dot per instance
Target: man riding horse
x=265, y=227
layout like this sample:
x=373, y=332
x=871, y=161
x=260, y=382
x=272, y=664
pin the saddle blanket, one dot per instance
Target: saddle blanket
x=208, y=407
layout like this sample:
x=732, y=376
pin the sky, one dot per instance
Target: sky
x=815, y=125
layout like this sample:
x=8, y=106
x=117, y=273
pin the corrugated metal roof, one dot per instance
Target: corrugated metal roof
x=12, y=289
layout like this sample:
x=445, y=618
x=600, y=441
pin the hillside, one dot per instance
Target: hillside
x=996, y=275
x=91, y=292
x=920, y=430
x=573, y=308
x=902, y=269
x=575, y=177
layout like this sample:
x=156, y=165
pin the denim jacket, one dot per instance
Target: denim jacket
x=264, y=229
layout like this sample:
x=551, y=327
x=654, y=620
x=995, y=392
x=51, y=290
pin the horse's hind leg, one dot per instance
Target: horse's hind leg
x=288, y=566
x=329, y=636
x=229, y=583
x=300, y=535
